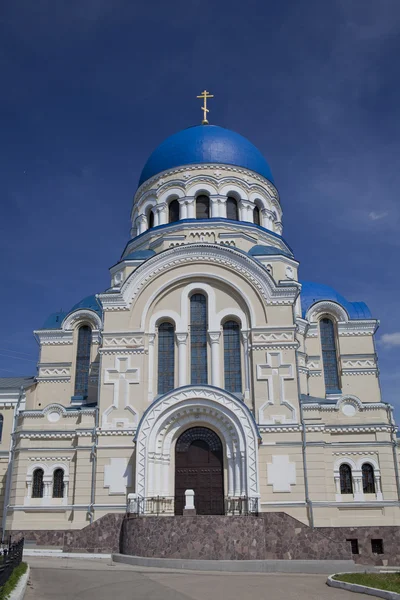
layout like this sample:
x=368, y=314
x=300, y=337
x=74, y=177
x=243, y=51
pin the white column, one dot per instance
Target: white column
x=156, y=217
x=231, y=474
x=191, y=208
x=183, y=209
x=162, y=213
x=151, y=338
x=266, y=220
x=243, y=473
x=238, y=479
x=222, y=207
x=337, y=488
x=181, y=339
x=214, y=337
x=379, y=495
x=246, y=212
x=246, y=358
x=65, y=494
x=142, y=223
x=214, y=206
x=358, y=490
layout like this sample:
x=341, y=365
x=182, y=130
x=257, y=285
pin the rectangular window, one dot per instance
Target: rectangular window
x=354, y=545
x=377, y=546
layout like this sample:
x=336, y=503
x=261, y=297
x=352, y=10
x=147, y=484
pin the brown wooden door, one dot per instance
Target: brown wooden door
x=199, y=466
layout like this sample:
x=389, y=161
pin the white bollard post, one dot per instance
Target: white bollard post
x=189, y=503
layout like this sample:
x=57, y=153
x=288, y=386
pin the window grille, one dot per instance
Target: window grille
x=198, y=433
x=202, y=207
x=166, y=357
x=346, y=479
x=354, y=545
x=368, y=479
x=58, y=483
x=151, y=219
x=377, y=546
x=232, y=211
x=256, y=215
x=37, y=485
x=198, y=339
x=83, y=361
x=232, y=362
x=173, y=211
x=329, y=356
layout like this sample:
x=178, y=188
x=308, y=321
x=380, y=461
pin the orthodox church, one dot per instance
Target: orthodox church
x=208, y=378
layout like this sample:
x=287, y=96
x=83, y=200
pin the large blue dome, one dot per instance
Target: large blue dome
x=205, y=144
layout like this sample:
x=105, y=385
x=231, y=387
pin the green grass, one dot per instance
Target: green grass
x=6, y=589
x=383, y=581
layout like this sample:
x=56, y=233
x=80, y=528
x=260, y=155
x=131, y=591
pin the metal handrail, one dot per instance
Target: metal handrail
x=10, y=557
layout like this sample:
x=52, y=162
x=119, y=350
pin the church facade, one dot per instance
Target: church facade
x=207, y=365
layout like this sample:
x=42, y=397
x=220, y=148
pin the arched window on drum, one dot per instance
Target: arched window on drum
x=173, y=211
x=232, y=358
x=232, y=210
x=202, y=207
x=166, y=357
x=368, y=479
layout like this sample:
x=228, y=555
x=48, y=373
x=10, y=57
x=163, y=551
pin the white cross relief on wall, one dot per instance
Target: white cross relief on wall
x=117, y=475
x=122, y=376
x=275, y=373
x=281, y=473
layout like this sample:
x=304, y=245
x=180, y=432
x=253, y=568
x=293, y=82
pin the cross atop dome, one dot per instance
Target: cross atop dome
x=204, y=95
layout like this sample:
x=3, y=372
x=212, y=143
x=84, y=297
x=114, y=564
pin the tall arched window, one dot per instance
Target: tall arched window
x=198, y=339
x=83, y=361
x=202, y=207
x=1, y=426
x=37, y=484
x=150, y=219
x=166, y=358
x=256, y=215
x=368, y=479
x=58, y=483
x=173, y=211
x=346, y=480
x=232, y=363
x=329, y=356
x=232, y=211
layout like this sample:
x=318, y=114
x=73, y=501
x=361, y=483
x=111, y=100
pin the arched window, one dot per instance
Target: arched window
x=232, y=211
x=346, y=480
x=37, y=484
x=368, y=479
x=329, y=356
x=173, y=211
x=166, y=357
x=1, y=426
x=232, y=364
x=58, y=483
x=83, y=361
x=256, y=215
x=202, y=207
x=150, y=219
x=198, y=339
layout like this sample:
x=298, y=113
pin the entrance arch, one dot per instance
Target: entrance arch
x=199, y=466
x=201, y=406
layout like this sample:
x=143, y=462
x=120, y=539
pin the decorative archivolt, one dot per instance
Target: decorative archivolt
x=326, y=308
x=169, y=416
x=82, y=316
x=228, y=258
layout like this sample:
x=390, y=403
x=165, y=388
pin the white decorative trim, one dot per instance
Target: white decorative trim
x=121, y=376
x=226, y=257
x=174, y=412
x=82, y=315
x=54, y=337
x=274, y=369
x=326, y=307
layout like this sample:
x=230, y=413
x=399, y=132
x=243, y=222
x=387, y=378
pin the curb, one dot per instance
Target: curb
x=61, y=554
x=19, y=591
x=239, y=566
x=361, y=589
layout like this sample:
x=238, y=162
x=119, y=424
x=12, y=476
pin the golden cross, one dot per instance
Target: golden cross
x=204, y=108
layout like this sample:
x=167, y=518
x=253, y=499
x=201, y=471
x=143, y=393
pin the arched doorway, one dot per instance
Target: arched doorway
x=199, y=467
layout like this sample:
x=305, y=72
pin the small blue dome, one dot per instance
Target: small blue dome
x=260, y=250
x=314, y=292
x=89, y=302
x=54, y=320
x=205, y=144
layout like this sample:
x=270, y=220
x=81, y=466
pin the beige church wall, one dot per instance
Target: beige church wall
x=294, y=457
x=115, y=468
x=365, y=387
x=360, y=344
x=340, y=516
x=7, y=412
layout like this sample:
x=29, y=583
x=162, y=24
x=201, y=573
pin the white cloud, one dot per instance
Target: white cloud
x=390, y=340
x=376, y=216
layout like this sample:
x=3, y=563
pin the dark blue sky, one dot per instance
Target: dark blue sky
x=90, y=87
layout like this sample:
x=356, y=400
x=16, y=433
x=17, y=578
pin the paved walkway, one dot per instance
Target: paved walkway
x=75, y=579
